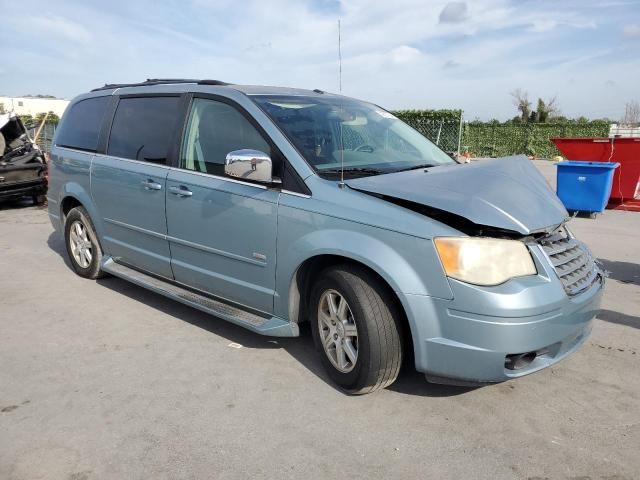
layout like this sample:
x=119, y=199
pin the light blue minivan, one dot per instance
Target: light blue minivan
x=268, y=207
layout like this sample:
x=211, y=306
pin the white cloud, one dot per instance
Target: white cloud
x=58, y=26
x=405, y=54
x=631, y=30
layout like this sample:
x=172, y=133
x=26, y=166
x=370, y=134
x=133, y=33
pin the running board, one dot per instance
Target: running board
x=264, y=325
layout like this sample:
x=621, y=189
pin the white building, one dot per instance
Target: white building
x=33, y=105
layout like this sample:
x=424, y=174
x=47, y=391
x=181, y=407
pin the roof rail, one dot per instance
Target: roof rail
x=159, y=81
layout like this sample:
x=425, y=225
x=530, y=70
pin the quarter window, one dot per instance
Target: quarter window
x=143, y=128
x=214, y=129
x=81, y=125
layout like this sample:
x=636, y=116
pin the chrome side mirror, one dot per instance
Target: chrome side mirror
x=249, y=164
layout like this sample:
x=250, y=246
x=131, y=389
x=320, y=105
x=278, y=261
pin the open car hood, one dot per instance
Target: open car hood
x=507, y=193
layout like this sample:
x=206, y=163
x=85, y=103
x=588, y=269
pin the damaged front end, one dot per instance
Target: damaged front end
x=504, y=208
x=524, y=290
x=23, y=169
x=504, y=197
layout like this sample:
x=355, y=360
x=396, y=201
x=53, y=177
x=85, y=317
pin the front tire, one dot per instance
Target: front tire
x=356, y=329
x=82, y=244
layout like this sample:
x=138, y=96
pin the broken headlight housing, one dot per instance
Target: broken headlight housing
x=484, y=261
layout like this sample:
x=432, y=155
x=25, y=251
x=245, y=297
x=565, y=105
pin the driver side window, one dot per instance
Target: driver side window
x=213, y=130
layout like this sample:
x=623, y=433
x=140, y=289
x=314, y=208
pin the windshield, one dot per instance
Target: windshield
x=369, y=140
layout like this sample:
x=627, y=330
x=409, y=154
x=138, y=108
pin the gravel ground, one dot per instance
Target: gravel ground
x=106, y=380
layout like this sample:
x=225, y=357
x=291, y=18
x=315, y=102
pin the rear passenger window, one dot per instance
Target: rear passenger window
x=143, y=128
x=82, y=123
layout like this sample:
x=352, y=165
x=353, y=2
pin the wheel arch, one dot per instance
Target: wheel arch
x=74, y=195
x=303, y=278
x=67, y=204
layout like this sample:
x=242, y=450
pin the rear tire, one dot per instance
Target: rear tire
x=82, y=244
x=356, y=329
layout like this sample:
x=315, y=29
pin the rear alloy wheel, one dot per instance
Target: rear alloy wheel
x=356, y=328
x=82, y=244
x=81, y=247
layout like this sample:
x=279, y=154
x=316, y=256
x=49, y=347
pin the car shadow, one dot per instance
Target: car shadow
x=625, y=272
x=56, y=243
x=619, y=318
x=302, y=348
x=15, y=204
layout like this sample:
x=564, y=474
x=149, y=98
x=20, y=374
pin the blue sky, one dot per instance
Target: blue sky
x=399, y=54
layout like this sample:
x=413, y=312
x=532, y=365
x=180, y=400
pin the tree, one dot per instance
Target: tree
x=51, y=117
x=543, y=112
x=27, y=120
x=631, y=113
x=547, y=110
x=522, y=103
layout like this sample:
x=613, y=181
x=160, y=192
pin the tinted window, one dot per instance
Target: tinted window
x=81, y=125
x=214, y=129
x=143, y=128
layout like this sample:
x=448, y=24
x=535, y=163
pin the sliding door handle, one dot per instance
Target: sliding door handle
x=181, y=191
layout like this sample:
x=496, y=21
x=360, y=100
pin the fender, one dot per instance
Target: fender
x=396, y=266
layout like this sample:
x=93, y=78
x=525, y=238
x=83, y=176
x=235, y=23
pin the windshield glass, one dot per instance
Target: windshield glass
x=369, y=140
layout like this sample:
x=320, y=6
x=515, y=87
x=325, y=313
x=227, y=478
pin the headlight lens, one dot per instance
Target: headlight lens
x=484, y=261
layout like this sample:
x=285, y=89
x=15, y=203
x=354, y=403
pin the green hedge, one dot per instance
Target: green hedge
x=421, y=115
x=497, y=140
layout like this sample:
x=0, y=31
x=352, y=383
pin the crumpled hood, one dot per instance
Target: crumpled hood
x=507, y=193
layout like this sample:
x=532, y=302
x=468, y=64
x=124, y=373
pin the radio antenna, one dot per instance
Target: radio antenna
x=339, y=58
x=341, y=184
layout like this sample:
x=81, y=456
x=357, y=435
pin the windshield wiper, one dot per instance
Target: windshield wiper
x=374, y=171
x=414, y=167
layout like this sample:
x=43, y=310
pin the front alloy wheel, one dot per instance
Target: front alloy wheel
x=356, y=327
x=338, y=331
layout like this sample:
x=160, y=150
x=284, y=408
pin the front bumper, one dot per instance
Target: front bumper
x=467, y=340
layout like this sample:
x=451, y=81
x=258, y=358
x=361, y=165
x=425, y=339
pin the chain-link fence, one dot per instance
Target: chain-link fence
x=443, y=129
x=446, y=129
x=45, y=138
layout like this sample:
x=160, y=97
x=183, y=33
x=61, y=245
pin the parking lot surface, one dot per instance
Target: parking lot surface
x=103, y=379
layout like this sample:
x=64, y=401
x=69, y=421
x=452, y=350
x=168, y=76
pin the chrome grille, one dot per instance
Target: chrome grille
x=571, y=260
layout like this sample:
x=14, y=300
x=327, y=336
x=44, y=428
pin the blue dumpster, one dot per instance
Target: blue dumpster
x=585, y=186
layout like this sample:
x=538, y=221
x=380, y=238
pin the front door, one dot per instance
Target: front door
x=128, y=183
x=222, y=232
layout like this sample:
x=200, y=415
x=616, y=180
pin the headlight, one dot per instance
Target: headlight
x=484, y=261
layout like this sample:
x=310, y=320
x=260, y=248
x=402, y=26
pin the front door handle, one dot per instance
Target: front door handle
x=181, y=191
x=151, y=185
